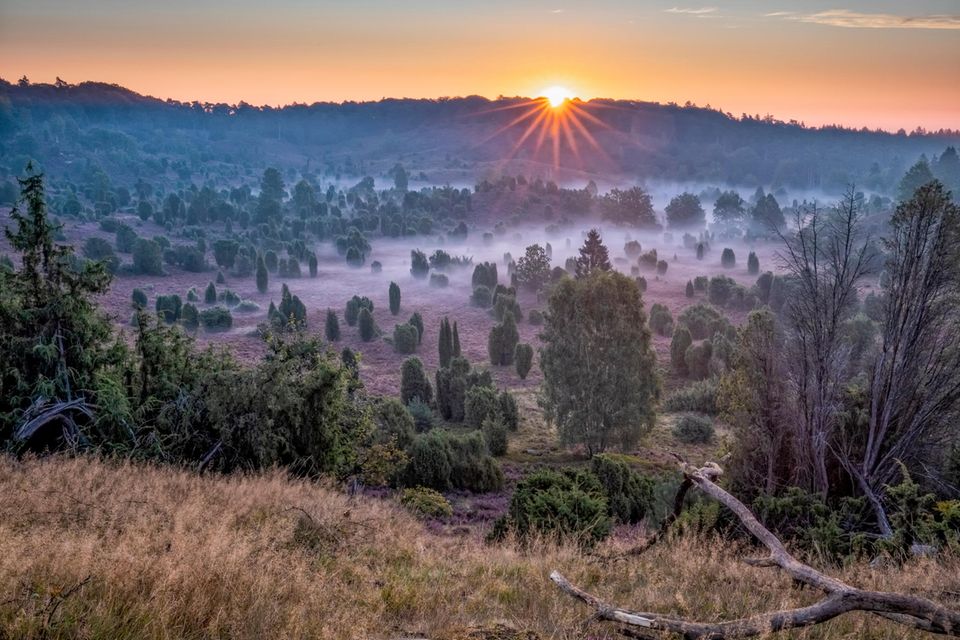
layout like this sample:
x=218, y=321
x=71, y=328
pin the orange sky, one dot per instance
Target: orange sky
x=858, y=67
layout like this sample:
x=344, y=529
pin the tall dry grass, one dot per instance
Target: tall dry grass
x=92, y=549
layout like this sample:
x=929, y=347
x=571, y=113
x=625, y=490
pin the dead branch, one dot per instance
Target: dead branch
x=908, y=610
x=41, y=413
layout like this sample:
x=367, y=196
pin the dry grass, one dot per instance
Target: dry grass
x=90, y=549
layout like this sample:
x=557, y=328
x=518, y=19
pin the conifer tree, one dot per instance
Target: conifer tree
x=593, y=255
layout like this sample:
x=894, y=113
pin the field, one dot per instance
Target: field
x=94, y=549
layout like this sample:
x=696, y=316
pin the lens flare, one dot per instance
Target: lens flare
x=557, y=95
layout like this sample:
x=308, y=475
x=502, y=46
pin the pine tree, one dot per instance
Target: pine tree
x=593, y=255
x=262, y=277
x=394, y=298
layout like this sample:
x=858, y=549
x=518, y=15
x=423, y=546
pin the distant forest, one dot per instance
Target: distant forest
x=73, y=132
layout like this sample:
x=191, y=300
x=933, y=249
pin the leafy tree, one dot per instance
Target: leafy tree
x=533, y=269
x=524, y=359
x=685, y=212
x=332, y=326
x=262, y=277
x=394, y=298
x=593, y=255
x=414, y=382
x=600, y=384
x=632, y=207
x=729, y=208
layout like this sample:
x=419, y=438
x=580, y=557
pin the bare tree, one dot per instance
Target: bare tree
x=826, y=257
x=908, y=610
x=915, y=386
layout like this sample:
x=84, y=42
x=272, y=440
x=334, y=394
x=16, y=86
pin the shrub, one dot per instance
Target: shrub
x=502, y=341
x=394, y=293
x=270, y=259
x=413, y=382
x=354, y=257
x=568, y=505
x=662, y=267
x=229, y=298
x=332, y=326
x=405, y=338
x=262, y=275
x=419, y=265
x=368, y=330
x=99, y=249
x=169, y=308
x=495, y=434
x=648, y=260
x=472, y=467
x=192, y=295
x=429, y=462
x=536, y=317
x=629, y=494
x=126, y=238
x=210, y=295
x=354, y=305
x=147, y=257
x=721, y=290
x=506, y=302
x=727, y=259
x=189, y=316
x=523, y=356
x=678, y=348
x=393, y=422
x=139, y=299
x=702, y=320
x=481, y=297
x=484, y=275
x=661, y=321
x=509, y=410
x=753, y=264
x=699, y=396
x=641, y=284
x=439, y=280
x=376, y=266
x=416, y=320
x=216, y=319
x=426, y=502
x=312, y=265
x=690, y=291
x=247, y=306
x=693, y=429
x=422, y=414
x=632, y=249
x=697, y=359
x=480, y=403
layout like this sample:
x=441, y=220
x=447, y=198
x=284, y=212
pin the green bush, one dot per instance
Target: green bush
x=189, y=316
x=368, y=330
x=641, y=284
x=139, y=299
x=480, y=403
x=568, y=505
x=414, y=382
x=509, y=410
x=416, y=320
x=221, y=279
x=728, y=260
x=721, y=290
x=439, y=280
x=661, y=320
x=354, y=257
x=422, y=414
x=678, y=348
x=126, y=238
x=753, y=264
x=332, y=326
x=169, y=308
x=216, y=319
x=495, y=434
x=693, y=429
x=502, y=341
x=419, y=264
x=697, y=359
x=429, y=462
x=485, y=275
x=699, y=396
x=99, y=249
x=147, y=258
x=523, y=356
x=394, y=293
x=354, y=305
x=210, y=295
x=629, y=494
x=426, y=502
x=393, y=422
x=702, y=320
x=441, y=461
x=405, y=338
x=481, y=297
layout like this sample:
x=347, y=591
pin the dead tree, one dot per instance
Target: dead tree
x=840, y=598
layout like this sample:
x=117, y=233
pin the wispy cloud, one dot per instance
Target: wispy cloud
x=701, y=11
x=557, y=10
x=859, y=20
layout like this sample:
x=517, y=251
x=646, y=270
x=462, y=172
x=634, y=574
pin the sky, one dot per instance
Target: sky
x=880, y=64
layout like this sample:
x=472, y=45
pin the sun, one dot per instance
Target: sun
x=556, y=95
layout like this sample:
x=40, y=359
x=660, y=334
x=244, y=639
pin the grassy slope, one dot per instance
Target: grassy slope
x=170, y=554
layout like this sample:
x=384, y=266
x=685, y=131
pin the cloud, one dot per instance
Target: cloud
x=693, y=12
x=857, y=20
x=557, y=11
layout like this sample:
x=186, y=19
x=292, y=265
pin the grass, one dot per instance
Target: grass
x=93, y=549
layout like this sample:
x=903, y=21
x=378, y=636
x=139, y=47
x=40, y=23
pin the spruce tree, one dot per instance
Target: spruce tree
x=593, y=255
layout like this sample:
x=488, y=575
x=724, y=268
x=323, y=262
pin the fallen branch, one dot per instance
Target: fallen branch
x=908, y=610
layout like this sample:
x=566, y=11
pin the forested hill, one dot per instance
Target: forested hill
x=73, y=129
